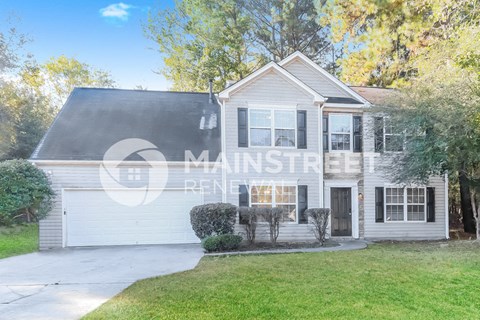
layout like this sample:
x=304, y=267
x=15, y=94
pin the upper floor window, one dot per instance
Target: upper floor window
x=272, y=128
x=393, y=137
x=388, y=136
x=340, y=132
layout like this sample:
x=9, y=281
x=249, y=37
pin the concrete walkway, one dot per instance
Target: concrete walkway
x=343, y=246
x=68, y=283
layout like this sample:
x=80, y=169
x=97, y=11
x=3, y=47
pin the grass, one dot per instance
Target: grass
x=18, y=239
x=386, y=281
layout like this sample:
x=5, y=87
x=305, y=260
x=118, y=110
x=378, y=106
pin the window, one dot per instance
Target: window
x=393, y=137
x=284, y=128
x=280, y=196
x=394, y=201
x=260, y=127
x=272, y=128
x=340, y=132
x=405, y=204
x=415, y=204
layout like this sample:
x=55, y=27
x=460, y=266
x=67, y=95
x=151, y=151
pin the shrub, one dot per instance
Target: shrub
x=213, y=219
x=319, y=220
x=223, y=242
x=25, y=192
x=272, y=216
x=248, y=218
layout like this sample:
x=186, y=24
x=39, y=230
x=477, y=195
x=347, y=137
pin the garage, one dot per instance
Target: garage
x=92, y=218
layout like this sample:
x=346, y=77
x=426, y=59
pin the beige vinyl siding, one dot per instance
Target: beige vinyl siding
x=272, y=87
x=288, y=232
x=379, y=178
x=87, y=176
x=269, y=90
x=241, y=174
x=314, y=79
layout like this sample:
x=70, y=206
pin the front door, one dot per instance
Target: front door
x=341, y=206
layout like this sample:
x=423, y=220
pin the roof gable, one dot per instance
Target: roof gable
x=265, y=70
x=326, y=84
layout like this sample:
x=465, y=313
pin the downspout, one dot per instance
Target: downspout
x=224, y=157
x=320, y=152
x=447, y=222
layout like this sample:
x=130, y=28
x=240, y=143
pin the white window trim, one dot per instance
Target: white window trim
x=405, y=204
x=274, y=185
x=384, y=145
x=330, y=132
x=272, y=127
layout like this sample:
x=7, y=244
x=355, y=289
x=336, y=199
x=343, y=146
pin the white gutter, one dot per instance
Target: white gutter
x=320, y=152
x=447, y=222
x=224, y=157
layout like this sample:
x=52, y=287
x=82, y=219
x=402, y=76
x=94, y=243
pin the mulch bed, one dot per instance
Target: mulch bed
x=285, y=245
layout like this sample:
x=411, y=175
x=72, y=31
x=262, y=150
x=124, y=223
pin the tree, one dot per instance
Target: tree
x=382, y=38
x=24, y=119
x=25, y=192
x=440, y=114
x=280, y=28
x=56, y=78
x=226, y=40
x=11, y=43
x=201, y=40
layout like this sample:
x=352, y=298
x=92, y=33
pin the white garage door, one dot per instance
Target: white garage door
x=94, y=219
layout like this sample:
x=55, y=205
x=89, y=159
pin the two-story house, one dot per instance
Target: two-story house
x=128, y=165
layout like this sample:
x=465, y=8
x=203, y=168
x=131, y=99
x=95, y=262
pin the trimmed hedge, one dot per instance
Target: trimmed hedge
x=213, y=219
x=223, y=242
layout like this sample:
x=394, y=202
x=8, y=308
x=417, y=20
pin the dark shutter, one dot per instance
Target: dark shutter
x=430, y=204
x=378, y=131
x=302, y=204
x=357, y=134
x=243, y=198
x=243, y=127
x=379, y=216
x=325, y=132
x=302, y=129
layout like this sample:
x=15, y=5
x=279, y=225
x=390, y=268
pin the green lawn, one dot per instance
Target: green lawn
x=18, y=240
x=386, y=281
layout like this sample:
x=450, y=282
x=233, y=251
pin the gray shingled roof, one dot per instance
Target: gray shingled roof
x=374, y=95
x=343, y=100
x=92, y=120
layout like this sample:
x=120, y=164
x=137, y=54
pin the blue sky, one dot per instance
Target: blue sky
x=105, y=34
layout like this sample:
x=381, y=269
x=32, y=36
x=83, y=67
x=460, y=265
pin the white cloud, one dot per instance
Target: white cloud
x=116, y=11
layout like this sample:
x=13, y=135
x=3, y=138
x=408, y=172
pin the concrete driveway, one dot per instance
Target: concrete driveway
x=68, y=283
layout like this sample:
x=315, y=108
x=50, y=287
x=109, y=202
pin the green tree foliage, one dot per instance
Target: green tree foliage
x=279, y=28
x=201, y=40
x=56, y=78
x=381, y=38
x=440, y=114
x=25, y=192
x=11, y=42
x=226, y=40
x=24, y=119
